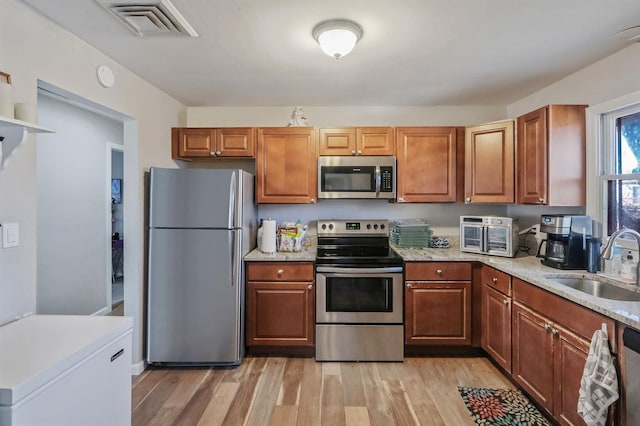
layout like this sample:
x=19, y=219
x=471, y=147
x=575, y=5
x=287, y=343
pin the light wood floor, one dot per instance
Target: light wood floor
x=301, y=391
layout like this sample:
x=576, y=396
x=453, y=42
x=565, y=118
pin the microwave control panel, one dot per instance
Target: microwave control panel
x=386, y=174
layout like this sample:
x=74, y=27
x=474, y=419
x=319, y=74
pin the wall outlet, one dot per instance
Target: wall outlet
x=10, y=235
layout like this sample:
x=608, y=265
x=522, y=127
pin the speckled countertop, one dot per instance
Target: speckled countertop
x=527, y=268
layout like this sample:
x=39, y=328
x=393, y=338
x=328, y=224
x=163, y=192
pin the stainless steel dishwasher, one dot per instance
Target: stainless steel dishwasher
x=631, y=339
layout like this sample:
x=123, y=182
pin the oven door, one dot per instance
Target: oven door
x=347, y=295
x=498, y=240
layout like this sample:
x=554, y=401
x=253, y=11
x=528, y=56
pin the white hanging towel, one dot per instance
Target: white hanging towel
x=599, y=384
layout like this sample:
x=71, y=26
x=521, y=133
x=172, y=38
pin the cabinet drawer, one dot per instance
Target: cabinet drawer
x=280, y=271
x=497, y=280
x=438, y=271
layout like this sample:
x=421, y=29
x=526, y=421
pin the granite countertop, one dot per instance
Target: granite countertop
x=527, y=268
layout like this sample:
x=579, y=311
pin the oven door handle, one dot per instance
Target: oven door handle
x=356, y=271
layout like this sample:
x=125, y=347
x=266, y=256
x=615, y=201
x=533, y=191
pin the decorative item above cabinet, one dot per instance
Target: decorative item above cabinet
x=551, y=150
x=357, y=141
x=190, y=143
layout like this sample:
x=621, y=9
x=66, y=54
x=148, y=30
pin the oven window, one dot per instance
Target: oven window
x=472, y=237
x=497, y=238
x=359, y=294
x=345, y=179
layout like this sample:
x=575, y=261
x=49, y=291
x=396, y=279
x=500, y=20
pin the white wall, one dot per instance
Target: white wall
x=33, y=48
x=72, y=208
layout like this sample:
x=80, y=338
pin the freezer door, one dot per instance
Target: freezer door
x=194, y=198
x=195, y=297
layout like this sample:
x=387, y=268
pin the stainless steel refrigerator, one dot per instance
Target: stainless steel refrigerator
x=201, y=224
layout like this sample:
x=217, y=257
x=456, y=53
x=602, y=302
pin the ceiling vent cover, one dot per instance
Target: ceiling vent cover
x=146, y=18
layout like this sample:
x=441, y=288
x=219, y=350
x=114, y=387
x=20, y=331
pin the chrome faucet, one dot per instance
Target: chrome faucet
x=607, y=252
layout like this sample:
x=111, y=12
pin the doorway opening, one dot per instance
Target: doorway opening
x=116, y=231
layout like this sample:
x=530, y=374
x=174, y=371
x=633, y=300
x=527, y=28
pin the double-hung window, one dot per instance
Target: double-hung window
x=617, y=148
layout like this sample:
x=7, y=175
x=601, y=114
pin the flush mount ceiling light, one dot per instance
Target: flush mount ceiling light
x=337, y=37
x=630, y=34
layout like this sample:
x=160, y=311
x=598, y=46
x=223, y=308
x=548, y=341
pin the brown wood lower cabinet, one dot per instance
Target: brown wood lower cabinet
x=550, y=343
x=496, y=326
x=438, y=311
x=280, y=304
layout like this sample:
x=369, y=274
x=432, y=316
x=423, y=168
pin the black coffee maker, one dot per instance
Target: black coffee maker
x=566, y=243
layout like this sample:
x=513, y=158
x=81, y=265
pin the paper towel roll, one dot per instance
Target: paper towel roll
x=6, y=100
x=268, y=236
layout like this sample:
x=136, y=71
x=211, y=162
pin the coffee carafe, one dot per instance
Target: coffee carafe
x=566, y=244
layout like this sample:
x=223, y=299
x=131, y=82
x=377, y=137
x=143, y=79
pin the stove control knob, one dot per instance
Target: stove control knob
x=382, y=226
x=324, y=226
x=368, y=226
x=375, y=226
x=331, y=226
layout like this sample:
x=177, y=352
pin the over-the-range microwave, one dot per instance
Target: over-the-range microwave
x=357, y=177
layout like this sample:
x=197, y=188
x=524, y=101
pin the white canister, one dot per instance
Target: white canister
x=26, y=112
x=268, y=243
x=6, y=100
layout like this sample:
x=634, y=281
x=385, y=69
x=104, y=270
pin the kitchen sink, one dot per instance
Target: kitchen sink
x=598, y=288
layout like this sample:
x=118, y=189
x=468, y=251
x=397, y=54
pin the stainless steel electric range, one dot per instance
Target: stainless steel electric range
x=359, y=293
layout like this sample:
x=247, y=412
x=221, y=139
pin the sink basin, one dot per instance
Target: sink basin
x=599, y=289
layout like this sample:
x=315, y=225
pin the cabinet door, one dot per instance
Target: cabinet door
x=235, y=142
x=427, y=166
x=532, y=157
x=496, y=326
x=375, y=141
x=532, y=355
x=286, y=165
x=490, y=163
x=437, y=313
x=280, y=314
x=571, y=354
x=337, y=141
x=195, y=142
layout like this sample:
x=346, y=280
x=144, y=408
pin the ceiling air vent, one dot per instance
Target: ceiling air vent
x=146, y=18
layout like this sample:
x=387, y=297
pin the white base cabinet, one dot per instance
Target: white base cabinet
x=66, y=370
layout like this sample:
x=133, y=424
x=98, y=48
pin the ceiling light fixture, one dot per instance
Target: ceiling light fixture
x=630, y=34
x=337, y=37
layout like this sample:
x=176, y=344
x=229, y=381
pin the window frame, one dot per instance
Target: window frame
x=600, y=156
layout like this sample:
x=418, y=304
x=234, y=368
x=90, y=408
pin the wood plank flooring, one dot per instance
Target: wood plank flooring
x=300, y=391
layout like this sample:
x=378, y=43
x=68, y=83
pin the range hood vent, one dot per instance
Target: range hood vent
x=148, y=18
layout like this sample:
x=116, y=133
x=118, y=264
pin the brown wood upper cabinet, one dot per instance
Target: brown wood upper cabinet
x=490, y=163
x=357, y=141
x=428, y=166
x=551, y=156
x=286, y=165
x=187, y=143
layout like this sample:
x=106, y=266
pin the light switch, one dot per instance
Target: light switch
x=10, y=235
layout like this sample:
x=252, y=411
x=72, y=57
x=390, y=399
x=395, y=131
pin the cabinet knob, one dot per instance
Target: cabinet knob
x=547, y=327
x=312, y=201
x=353, y=152
x=439, y=271
x=212, y=153
x=505, y=301
x=554, y=331
x=467, y=200
x=310, y=287
x=401, y=199
x=494, y=279
x=541, y=200
x=359, y=152
x=218, y=153
x=408, y=285
x=280, y=272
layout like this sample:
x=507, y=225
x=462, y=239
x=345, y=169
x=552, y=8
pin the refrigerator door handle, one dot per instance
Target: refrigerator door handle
x=232, y=201
x=232, y=246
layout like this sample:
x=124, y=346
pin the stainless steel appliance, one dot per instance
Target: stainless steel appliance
x=492, y=235
x=357, y=177
x=201, y=224
x=631, y=340
x=566, y=244
x=359, y=293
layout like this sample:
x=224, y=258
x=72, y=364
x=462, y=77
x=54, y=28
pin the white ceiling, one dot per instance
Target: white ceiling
x=413, y=52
